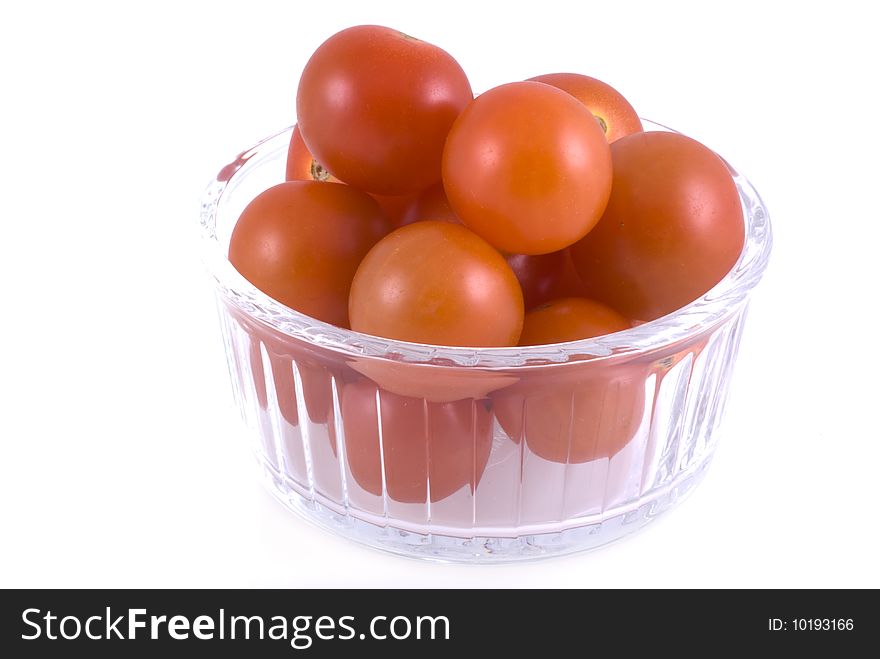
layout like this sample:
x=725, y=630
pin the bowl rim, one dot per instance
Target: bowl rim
x=685, y=323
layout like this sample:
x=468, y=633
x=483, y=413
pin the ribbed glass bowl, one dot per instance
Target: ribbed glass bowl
x=482, y=454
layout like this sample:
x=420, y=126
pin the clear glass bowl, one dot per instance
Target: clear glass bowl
x=484, y=454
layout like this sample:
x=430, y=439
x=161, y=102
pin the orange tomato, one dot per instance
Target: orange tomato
x=437, y=283
x=615, y=115
x=527, y=167
x=570, y=319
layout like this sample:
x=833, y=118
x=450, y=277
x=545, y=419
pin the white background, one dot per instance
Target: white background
x=123, y=461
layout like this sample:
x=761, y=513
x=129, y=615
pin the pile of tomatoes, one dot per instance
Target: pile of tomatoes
x=537, y=212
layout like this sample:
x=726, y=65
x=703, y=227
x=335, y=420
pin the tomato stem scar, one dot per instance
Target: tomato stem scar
x=318, y=171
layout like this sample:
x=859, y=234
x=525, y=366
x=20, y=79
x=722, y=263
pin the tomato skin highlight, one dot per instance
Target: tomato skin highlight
x=300, y=242
x=437, y=283
x=673, y=227
x=374, y=106
x=615, y=115
x=570, y=319
x=441, y=446
x=526, y=167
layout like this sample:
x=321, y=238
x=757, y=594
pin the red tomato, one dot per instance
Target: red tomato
x=527, y=167
x=374, y=105
x=672, y=229
x=301, y=164
x=438, y=283
x=537, y=275
x=545, y=277
x=570, y=319
x=300, y=242
x=439, y=447
x=615, y=115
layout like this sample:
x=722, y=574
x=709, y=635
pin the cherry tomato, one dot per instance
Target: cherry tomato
x=374, y=106
x=300, y=242
x=430, y=204
x=570, y=319
x=301, y=164
x=438, y=283
x=672, y=229
x=527, y=167
x=435, y=448
x=615, y=115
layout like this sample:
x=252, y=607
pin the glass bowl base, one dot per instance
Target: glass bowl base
x=483, y=545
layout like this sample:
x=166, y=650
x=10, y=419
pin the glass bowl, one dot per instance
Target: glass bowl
x=474, y=454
